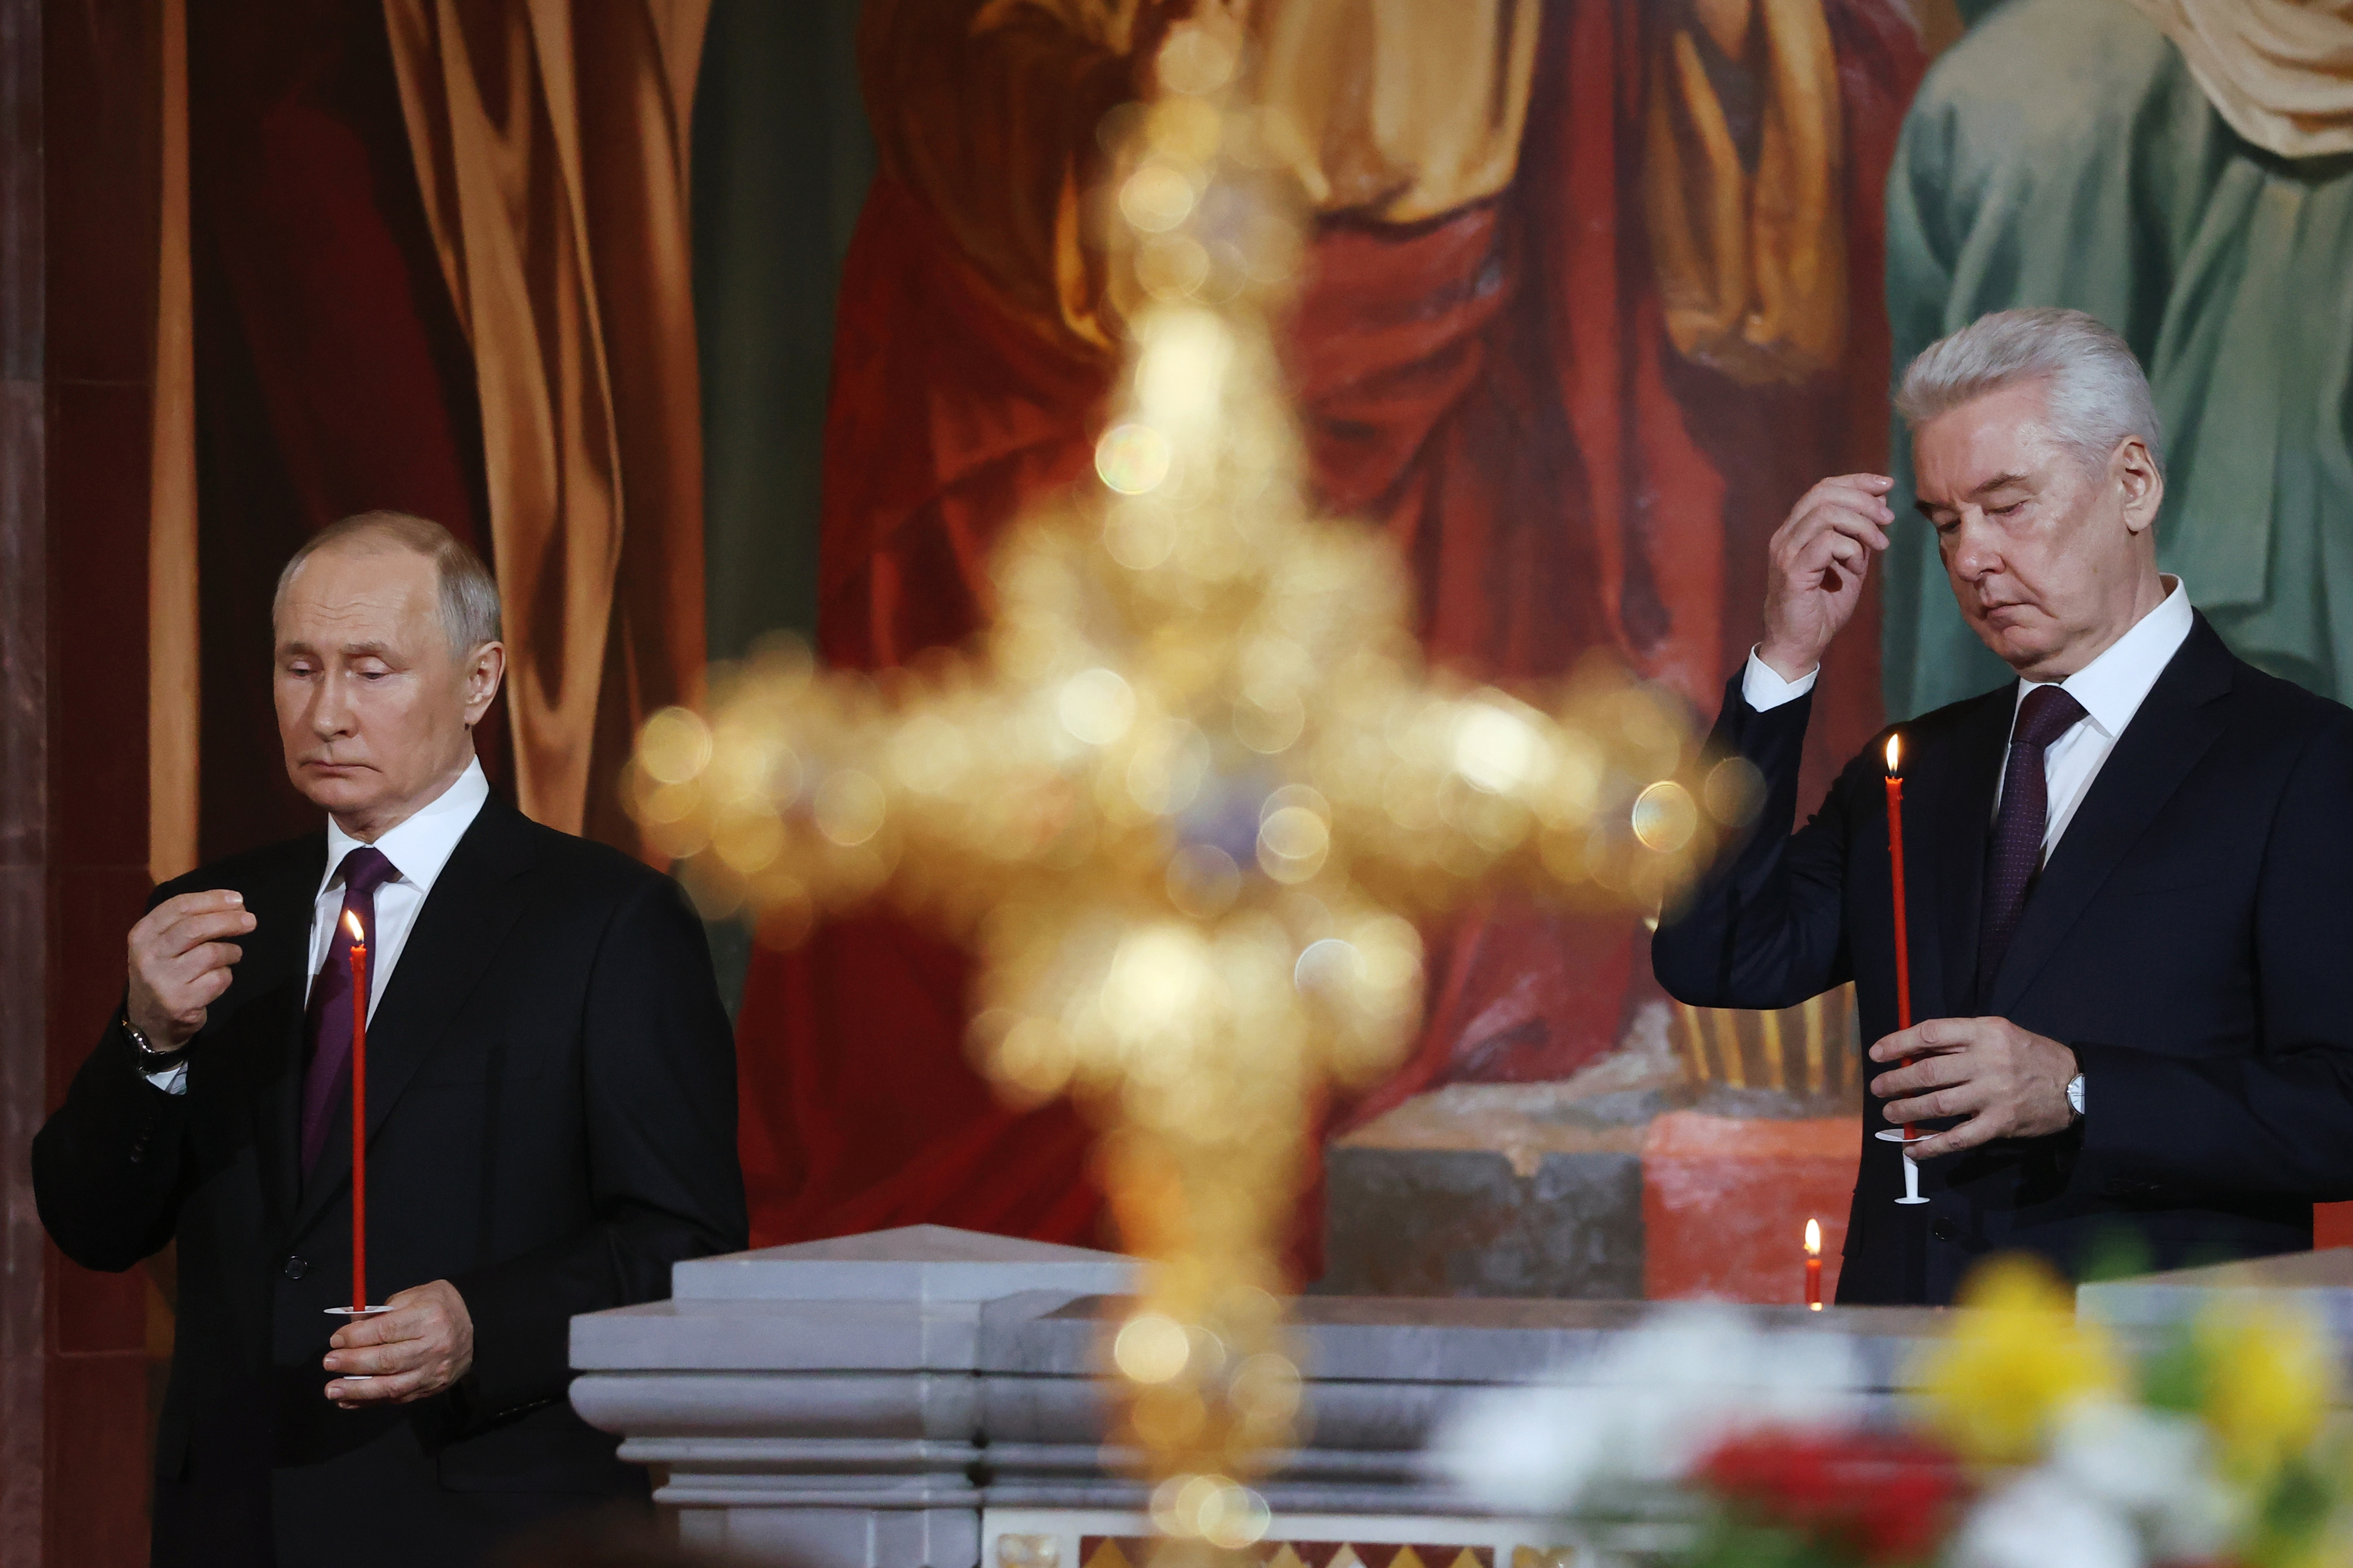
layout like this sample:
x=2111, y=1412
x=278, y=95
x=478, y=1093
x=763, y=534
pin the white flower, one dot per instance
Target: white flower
x=1644, y=1410
x=2151, y=1464
x=2044, y=1519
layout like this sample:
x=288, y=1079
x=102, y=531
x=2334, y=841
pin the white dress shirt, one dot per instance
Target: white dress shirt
x=418, y=848
x=2111, y=688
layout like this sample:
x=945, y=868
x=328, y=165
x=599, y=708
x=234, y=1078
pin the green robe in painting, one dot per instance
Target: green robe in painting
x=2060, y=153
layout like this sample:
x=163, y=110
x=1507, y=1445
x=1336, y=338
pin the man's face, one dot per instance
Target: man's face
x=2047, y=558
x=374, y=708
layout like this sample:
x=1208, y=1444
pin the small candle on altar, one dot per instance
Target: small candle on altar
x=359, y=1110
x=1814, y=1265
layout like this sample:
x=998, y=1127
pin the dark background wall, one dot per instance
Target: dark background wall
x=781, y=158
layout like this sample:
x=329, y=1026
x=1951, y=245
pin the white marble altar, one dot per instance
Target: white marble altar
x=930, y=1398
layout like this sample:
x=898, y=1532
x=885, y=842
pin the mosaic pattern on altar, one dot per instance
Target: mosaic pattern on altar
x=1140, y=1551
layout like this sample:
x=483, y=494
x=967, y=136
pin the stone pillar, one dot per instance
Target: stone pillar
x=23, y=764
x=80, y=149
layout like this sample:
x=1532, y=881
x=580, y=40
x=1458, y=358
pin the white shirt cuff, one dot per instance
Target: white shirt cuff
x=173, y=1080
x=1764, y=690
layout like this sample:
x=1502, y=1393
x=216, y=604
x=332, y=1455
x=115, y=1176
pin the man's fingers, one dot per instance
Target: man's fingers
x=1977, y=1129
x=372, y=1361
x=1935, y=1104
x=185, y=904
x=185, y=935
x=175, y=937
x=1903, y=1043
x=1932, y=1037
x=399, y=1352
x=1925, y=1075
x=1833, y=537
x=1865, y=491
x=1860, y=510
x=1860, y=516
x=353, y=1392
x=1864, y=528
x=198, y=962
x=385, y=1328
x=424, y=1343
x=203, y=992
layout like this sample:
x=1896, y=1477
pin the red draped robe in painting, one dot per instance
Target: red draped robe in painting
x=1496, y=387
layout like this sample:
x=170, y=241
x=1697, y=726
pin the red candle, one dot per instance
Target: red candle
x=1814, y=1265
x=359, y=1111
x=1895, y=858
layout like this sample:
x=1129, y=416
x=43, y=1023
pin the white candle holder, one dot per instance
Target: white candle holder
x=1911, y=1170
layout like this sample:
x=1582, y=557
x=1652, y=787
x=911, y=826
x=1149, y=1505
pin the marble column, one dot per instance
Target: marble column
x=24, y=760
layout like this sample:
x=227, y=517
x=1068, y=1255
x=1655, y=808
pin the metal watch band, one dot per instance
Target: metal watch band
x=150, y=1058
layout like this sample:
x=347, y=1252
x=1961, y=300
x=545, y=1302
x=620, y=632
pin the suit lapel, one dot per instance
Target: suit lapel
x=474, y=904
x=2165, y=740
x=1959, y=781
x=282, y=909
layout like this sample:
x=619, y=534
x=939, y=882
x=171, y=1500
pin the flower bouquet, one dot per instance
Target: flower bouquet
x=2026, y=1440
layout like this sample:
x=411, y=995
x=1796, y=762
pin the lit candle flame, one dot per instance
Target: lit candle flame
x=351, y=924
x=1895, y=754
x=1813, y=1238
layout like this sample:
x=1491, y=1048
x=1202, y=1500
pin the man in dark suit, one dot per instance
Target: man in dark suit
x=551, y=1107
x=2129, y=873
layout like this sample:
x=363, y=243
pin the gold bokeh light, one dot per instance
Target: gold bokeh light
x=1186, y=796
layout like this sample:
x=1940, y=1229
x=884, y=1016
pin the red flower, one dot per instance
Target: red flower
x=1885, y=1497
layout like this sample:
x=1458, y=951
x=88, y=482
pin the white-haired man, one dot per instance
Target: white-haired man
x=550, y=1107
x=2126, y=870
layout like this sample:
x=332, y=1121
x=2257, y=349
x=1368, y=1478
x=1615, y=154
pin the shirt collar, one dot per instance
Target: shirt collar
x=422, y=843
x=2112, y=687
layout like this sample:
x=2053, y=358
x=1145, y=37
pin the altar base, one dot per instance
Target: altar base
x=932, y=1398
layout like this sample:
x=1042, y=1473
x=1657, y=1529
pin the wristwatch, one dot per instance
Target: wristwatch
x=151, y=1060
x=2075, y=1095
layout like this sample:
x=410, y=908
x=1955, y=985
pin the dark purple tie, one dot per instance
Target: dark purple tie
x=2047, y=713
x=329, y=1020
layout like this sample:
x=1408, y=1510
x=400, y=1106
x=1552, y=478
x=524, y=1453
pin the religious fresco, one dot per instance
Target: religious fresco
x=1595, y=290
x=1593, y=295
x=2183, y=170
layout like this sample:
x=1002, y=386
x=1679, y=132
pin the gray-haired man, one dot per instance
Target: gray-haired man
x=2126, y=870
x=550, y=1107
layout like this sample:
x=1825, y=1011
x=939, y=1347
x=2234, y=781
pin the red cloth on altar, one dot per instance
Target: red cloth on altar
x=1494, y=386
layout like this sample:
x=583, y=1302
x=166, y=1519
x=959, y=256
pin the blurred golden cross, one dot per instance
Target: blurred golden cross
x=1186, y=795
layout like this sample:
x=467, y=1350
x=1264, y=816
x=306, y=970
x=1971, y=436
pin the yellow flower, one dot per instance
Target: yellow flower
x=2270, y=1378
x=2015, y=1359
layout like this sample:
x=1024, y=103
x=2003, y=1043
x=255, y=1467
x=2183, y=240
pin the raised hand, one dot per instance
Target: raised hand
x=1816, y=565
x=180, y=963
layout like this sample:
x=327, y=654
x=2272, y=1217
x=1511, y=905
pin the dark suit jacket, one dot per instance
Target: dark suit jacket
x=2191, y=937
x=551, y=1124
